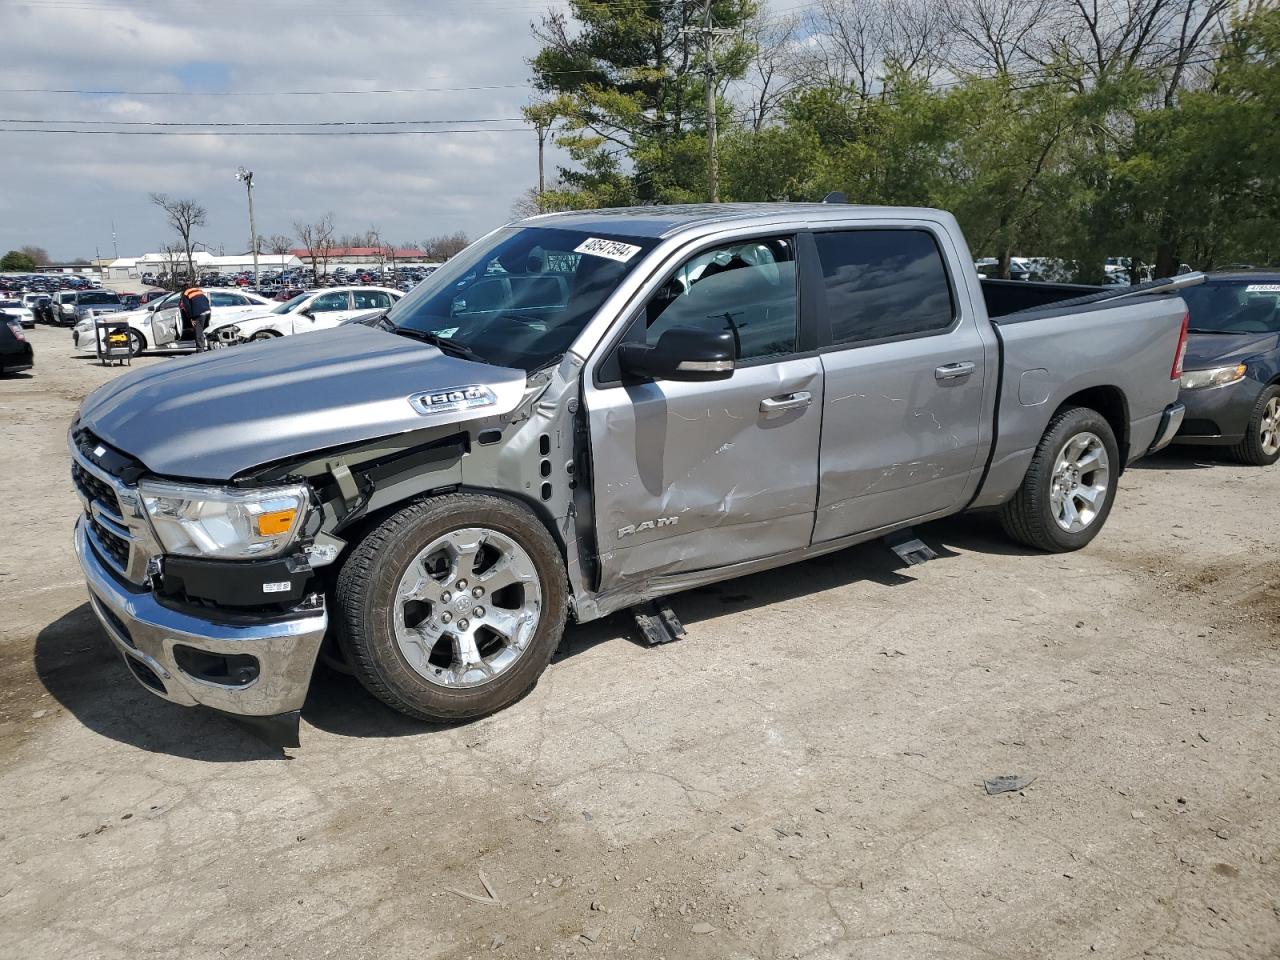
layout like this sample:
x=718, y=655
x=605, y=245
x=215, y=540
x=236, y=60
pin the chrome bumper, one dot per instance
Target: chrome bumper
x=146, y=632
x=1170, y=422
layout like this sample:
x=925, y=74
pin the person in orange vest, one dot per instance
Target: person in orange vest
x=195, y=309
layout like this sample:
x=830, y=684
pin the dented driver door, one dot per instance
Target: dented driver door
x=691, y=476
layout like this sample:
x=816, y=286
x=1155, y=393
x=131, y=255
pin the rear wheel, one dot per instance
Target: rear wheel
x=1068, y=490
x=1261, y=444
x=452, y=607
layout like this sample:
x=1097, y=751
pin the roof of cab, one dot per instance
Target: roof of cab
x=664, y=221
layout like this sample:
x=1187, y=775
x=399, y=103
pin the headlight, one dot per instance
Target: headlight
x=222, y=522
x=1213, y=377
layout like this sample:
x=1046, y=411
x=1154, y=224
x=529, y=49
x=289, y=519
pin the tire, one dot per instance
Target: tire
x=264, y=335
x=1261, y=444
x=419, y=667
x=1035, y=514
x=137, y=343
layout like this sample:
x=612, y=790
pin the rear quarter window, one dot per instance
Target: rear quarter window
x=883, y=284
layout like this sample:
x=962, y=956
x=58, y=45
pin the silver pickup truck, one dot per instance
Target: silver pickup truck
x=583, y=413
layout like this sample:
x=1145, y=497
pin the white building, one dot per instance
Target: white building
x=131, y=268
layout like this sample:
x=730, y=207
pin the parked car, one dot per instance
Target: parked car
x=15, y=349
x=581, y=413
x=19, y=311
x=158, y=325
x=313, y=310
x=1231, y=386
x=77, y=305
x=43, y=309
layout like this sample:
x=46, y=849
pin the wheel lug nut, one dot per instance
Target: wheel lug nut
x=462, y=584
x=478, y=592
x=446, y=617
x=446, y=597
x=463, y=624
x=478, y=612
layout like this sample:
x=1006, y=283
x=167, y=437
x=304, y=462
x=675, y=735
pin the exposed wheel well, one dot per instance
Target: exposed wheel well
x=1111, y=403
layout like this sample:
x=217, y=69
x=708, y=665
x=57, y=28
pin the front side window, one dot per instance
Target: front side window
x=521, y=296
x=748, y=289
x=329, y=303
x=883, y=283
x=223, y=300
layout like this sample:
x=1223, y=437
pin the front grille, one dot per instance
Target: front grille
x=117, y=548
x=93, y=489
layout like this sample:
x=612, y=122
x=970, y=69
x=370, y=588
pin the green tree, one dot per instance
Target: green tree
x=624, y=81
x=15, y=261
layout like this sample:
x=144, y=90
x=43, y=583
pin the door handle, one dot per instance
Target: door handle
x=954, y=371
x=790, y=401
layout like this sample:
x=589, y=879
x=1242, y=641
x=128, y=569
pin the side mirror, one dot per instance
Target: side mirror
x=682, y=353
x=308, y=313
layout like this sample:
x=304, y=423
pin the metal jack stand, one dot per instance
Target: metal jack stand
x=658, y=624
x=910, y=549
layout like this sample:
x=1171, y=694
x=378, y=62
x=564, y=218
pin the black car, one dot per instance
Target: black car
x=15, y=350
x=1231, y=376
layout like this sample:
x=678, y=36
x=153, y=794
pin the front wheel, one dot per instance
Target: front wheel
x=1068, y=490
x=452, y=607
x=1261, y=444
x=137, y=343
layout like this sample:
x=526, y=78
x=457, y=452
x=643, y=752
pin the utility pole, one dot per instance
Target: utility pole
x=247, y=177
x=542, y=142
x=709, y=34
x=114, y=246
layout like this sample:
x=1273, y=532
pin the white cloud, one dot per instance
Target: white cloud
x=63, y=191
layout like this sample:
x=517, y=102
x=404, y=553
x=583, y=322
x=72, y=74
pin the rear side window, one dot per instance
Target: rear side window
x=883, y=283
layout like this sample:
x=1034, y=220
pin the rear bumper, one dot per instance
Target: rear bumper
x=1170, y=421
x=147, y=634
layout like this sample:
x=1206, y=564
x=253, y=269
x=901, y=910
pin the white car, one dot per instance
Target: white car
x=158, y=325
x=18, y=311
x=313, y=310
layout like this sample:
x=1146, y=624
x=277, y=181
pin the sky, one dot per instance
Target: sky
x=260, y=62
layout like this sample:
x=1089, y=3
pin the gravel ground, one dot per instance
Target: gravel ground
x=800, y=777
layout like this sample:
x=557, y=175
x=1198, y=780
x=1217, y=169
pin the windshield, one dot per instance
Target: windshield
x=520, y=296
x=290, y=305
x=1234, y=307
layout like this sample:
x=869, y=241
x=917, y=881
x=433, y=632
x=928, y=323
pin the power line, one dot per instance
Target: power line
x=260, y=133
x=265, y=123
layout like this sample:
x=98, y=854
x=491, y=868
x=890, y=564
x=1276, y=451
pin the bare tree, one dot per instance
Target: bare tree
x=775, y=67
x=39, y=254
x=173, y=259
x=184, y=216
x=996, y=35
x=317, y=238
x=844, y=44
x=445, y=246
x=278, y=243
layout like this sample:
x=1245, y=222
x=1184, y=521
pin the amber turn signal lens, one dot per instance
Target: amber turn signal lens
x=271, y=524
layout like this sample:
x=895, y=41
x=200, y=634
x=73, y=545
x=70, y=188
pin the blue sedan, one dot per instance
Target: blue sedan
x=1231, y=375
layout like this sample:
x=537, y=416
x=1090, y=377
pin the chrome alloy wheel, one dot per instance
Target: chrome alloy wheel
x=1269, y=431
x=1080, y=477
x=467, y=607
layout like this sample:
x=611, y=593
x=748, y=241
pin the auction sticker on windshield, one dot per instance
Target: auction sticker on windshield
x=1262, y=288
x=609, y=249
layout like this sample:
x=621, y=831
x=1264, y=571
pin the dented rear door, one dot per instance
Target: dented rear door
x=906, y=368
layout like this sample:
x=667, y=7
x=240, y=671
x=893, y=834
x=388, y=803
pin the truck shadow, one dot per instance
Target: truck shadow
x=77, y=665
x=1186, y=458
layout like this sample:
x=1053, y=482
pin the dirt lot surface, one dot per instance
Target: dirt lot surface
x=800, y=777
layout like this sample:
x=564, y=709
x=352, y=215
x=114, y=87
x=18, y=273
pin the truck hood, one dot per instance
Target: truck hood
x=1218, y=349
x=216, y=415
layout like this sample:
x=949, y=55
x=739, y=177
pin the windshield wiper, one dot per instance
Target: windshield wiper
x=443, y=344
